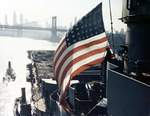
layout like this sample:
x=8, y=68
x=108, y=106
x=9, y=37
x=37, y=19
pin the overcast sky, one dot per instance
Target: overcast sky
x=65, y=10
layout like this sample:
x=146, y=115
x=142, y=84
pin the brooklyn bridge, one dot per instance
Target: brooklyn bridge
x=52, y=33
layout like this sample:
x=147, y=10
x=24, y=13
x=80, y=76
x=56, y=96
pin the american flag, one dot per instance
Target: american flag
x=82, y=47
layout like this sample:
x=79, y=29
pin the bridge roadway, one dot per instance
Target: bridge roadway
x=20, y=27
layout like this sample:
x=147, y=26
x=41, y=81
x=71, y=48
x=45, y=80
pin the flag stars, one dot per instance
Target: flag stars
x=74, y=40
x=91, y=34
x=96, y=32
x=79, y=38
x=73, y=36
x=88, y=26
x=82, y=32
x=67, y=39
x=85, y=26
x=90, y=30
x=95, y=28
x=94, y=22
x=72, y=32
x=98, y=22
x=69, y=43
x=78, y=33
x=77, y=29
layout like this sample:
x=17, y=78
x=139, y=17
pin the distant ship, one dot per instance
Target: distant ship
x=10, y=74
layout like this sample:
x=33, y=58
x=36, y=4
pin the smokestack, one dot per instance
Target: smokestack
x=23, y=97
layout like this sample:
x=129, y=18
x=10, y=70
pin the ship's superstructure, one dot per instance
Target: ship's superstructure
x=128, y=89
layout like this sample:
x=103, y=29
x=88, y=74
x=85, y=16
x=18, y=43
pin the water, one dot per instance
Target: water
x=15, y=50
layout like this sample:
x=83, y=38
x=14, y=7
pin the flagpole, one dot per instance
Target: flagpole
x=104, y=79
x=111, y=22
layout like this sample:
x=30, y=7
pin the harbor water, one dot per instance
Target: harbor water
x=15, y=49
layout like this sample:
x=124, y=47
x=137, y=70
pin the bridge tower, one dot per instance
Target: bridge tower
x=21, y=19
x=20, y=31
x=14, y=18
x=54, y=36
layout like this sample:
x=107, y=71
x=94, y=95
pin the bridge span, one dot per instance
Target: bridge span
x=21, y=27
x=23, y=30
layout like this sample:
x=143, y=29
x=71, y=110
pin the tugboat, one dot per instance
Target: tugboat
x=10, y=74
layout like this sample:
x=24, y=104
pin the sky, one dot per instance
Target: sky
x=65, y=10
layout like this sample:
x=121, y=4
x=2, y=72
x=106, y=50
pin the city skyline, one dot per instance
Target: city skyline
x=42, y=11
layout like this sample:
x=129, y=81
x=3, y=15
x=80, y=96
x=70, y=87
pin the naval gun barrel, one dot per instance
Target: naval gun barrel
x=136, y=14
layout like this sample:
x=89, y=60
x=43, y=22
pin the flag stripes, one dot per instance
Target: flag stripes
x=84, y=46
x=78, y=51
